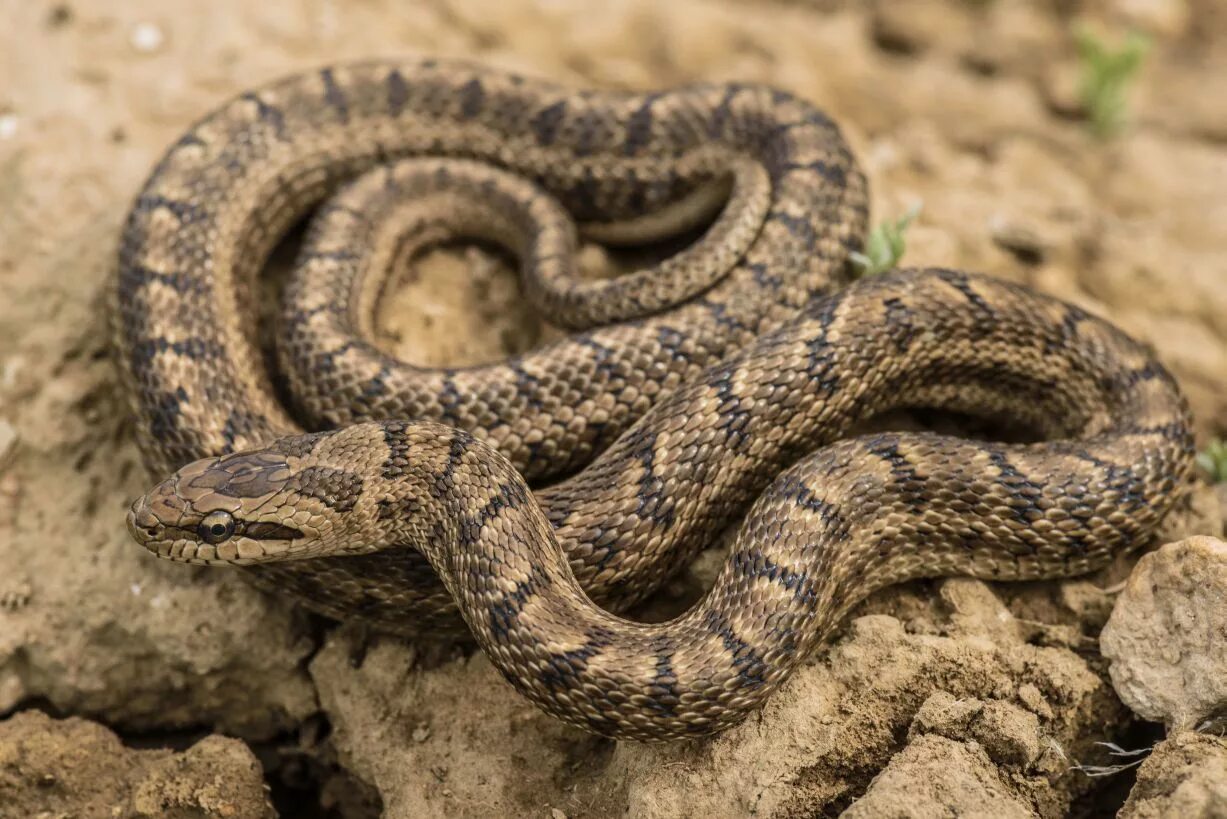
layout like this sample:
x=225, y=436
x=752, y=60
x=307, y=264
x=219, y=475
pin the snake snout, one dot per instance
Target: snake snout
x=143, y=524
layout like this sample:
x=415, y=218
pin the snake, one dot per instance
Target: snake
x=720, y=392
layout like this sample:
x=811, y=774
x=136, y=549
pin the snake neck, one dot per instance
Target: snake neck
x=468, y=511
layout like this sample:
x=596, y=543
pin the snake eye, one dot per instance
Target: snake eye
x=216, y=527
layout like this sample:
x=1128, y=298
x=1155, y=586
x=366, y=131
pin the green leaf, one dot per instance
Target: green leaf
x=885, y=245
x=1213, y=459
x=1107, y=73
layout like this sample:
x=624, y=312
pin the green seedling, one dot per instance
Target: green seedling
x=885, y=245
x=1213, y=459
x=1107, y=73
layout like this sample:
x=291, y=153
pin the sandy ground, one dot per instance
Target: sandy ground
x=938, y=699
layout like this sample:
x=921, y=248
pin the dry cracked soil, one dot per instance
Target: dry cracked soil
x=134, y=688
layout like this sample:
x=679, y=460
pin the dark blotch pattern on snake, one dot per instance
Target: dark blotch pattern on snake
x=682, y=417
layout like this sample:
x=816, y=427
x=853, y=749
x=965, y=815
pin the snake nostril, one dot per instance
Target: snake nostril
x=141, y=520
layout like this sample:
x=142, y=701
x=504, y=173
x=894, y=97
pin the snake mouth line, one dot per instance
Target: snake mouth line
x=181, y=550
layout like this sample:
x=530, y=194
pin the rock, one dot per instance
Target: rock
x=1022, y=240
x=944, y=714
x=919, y=25
x=939, y=777
x=1087, y=601
x=409, y=728
x=95, y=628
x=1008, y=734
x=414, y=733
x=1185, y=776
x=1061, y=88
x=74, y=767
x=1166, y=634
x=977, y=612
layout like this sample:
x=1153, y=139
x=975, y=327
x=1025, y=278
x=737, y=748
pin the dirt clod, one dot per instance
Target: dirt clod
x=74, y=767
x=1184, y=776
x=1166, y=634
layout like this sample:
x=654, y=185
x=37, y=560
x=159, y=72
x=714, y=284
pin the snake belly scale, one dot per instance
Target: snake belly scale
x=411, y=508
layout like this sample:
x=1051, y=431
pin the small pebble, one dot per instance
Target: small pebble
x=1020, y=240
x=8, y=125
x=59, y=16
x=147, y=37
x=16, y=595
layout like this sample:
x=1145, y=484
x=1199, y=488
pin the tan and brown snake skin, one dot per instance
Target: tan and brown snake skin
x=737, y=397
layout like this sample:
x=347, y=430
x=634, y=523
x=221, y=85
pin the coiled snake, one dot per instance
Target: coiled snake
x=417, y=505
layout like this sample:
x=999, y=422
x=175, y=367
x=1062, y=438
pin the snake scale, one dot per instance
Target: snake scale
x=649, y=430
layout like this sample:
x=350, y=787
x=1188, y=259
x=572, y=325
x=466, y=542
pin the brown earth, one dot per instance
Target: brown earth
x=939, y=698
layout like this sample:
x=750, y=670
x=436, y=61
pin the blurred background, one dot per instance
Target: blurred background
x=1080, y=147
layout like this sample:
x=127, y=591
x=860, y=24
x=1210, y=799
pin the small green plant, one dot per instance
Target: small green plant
x=1213, y=459
x=885, y=245
x=1106, y=75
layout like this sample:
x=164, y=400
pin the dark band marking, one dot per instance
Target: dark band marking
x=505, y=610
x=239, y=424
x=790, y=487
x=831, y=172
x=752, y=563
x=165, y=413
x=664, y=695
x=196, y=349
x=472, y=97
x=751, y=670
x=507, y=496
x=396, y=464
x=133, y=277
x=639, y=127
x=798, y=227
x=1022, y=492
x=185, y=212
x=719, y=118
x=545, y=123
x=734, y=418
x=403, y=508
x=907, y=482
x=269, y=114
x=528, y=386
x=899, y=322
x=821, y=360
x=335, y=488
x=264, y=530
x=398, y=92
x=444, y=483
x=334, y=96
x=298, y=446
x=986, y=320
x=652, y=501
x=564, y=668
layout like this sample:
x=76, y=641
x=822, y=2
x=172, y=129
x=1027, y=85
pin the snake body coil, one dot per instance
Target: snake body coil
x=697, y=410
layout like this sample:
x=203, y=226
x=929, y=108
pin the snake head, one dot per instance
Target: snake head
x=246, y=508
